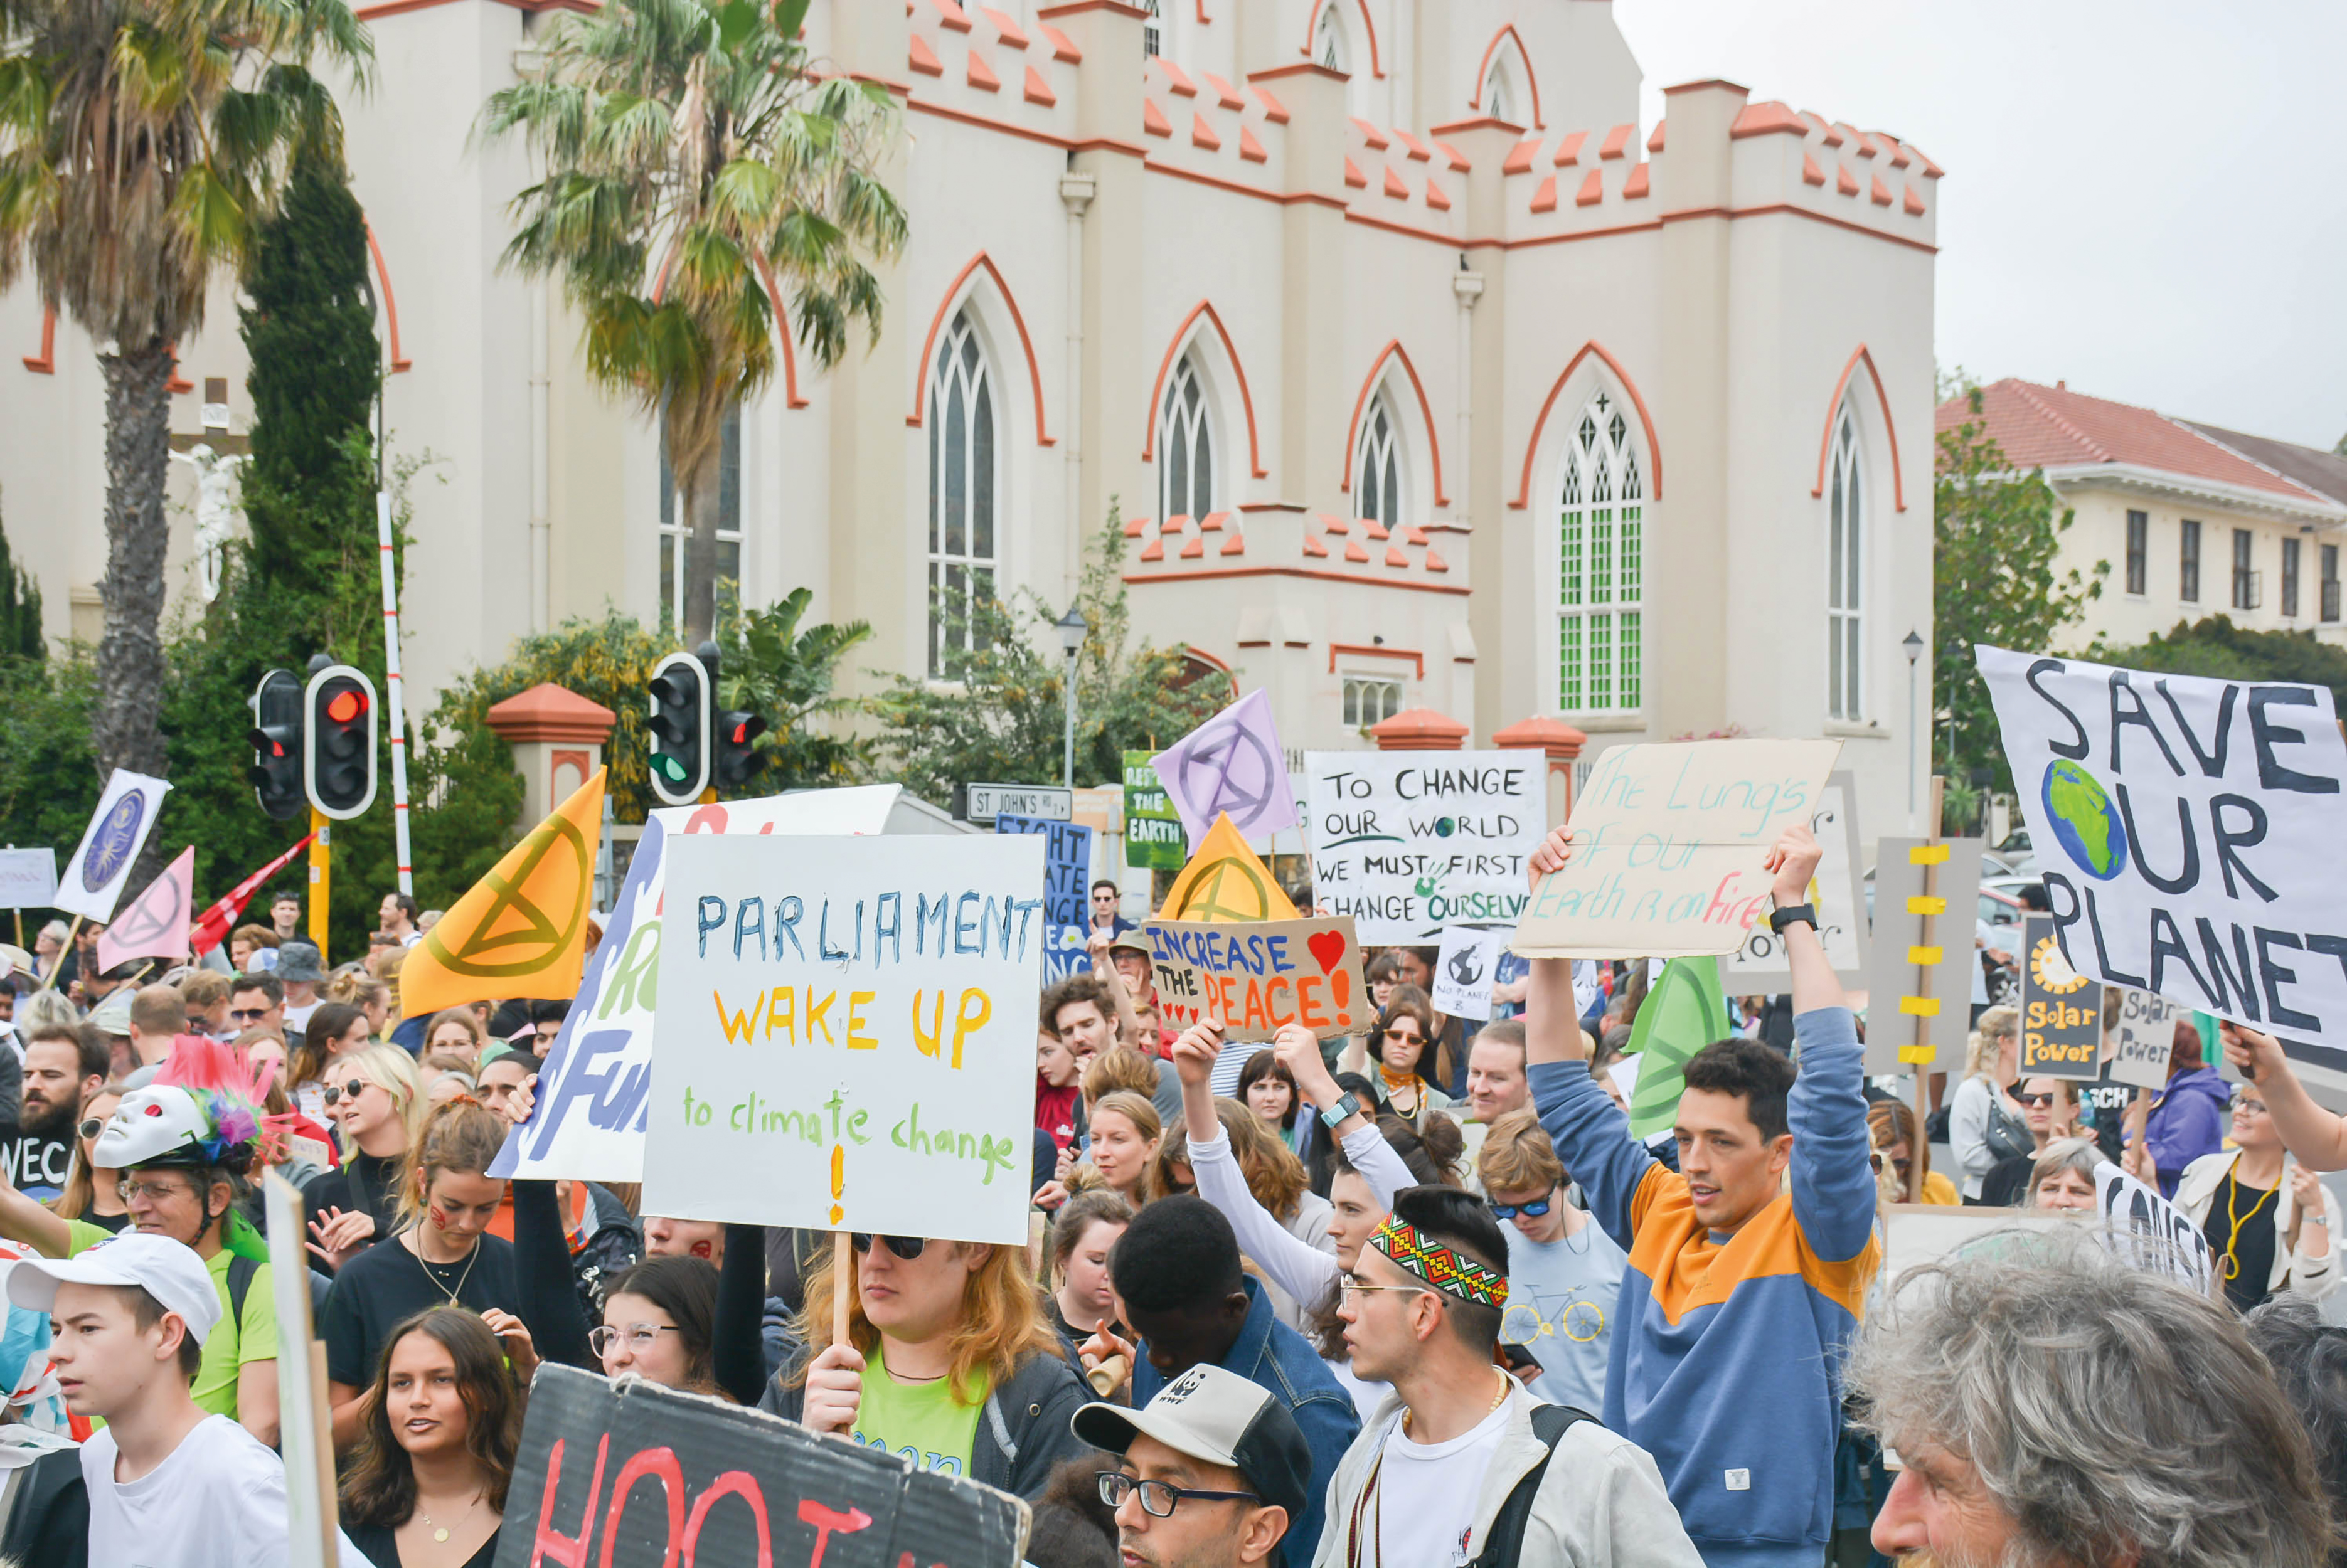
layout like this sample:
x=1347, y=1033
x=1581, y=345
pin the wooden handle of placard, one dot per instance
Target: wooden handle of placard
x=842, y=1260
x=1108, y=1377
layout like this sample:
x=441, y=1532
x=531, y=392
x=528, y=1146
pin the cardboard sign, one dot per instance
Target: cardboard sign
x=845, y=1038
x=1067, y=891
x=589, y=1120
x=2189, y=828
x=1670, y=846
x=305, y=1430
x=28, y=878
x=109, y=846
x=1255, y=978
x=1409, y=843
x=1152, y=828
x=2144, y=1039
x=1231, y=765
x=2061, y=1010
x=1464, y=970
x=628, y=1474
x=1838, y=892
x=2148, y=1232
x=1920, y=971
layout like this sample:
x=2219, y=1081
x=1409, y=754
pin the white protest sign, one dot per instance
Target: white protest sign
x=589, y=1120
x=28, y=878
x=2191, y=832
x=1837, y=891
x=2145, y=1038
x=2147, y=1231
x=1670, y=846
x=1462, y=975
x=846, y=1035
x=1586, y=984
x=110, y=845
x=304, y=1429
x=1408, y=843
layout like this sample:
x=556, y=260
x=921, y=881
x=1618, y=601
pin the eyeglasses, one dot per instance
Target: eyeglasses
x=1509, y=1211
x=153, y=1191
x=1158, y=1497
x=1354, y=1285
x=640, y=1336
x=2245, y=1103
x=246, y=1015
x=350, y=1090
x=2035, y=1098
x=907, y=1247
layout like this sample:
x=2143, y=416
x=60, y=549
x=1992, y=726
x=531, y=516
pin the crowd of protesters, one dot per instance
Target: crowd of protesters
x=1414, y=1296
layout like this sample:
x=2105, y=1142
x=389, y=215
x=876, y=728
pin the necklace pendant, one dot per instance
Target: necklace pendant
x=439, y=1535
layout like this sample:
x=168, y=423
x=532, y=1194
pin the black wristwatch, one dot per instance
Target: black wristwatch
x=1793, y=915
x=1347, y=1104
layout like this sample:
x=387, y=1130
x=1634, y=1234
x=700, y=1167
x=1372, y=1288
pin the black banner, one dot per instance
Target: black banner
x=633, y=1475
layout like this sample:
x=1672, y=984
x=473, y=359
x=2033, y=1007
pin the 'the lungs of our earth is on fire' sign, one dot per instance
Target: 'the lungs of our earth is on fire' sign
x=2191, y=834
x=1410, y=843
x=1255, y=978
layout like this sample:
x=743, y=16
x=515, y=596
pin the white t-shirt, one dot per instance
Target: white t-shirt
x=297, y=1014
x=217, y=1501
x=1425, y=1505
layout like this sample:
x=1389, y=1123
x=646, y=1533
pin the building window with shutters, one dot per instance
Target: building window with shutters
x=2289, y=576
x=1601, y=565
x=676, y=528
x=2188, y=562
x=2246, y=583
x=1846, y=581
x=2138, y=551
x=1377, y=470
x=1185, y=448
x=963, y=503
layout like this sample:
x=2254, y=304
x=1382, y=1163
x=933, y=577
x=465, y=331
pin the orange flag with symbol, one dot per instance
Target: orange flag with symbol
x=521, y=930
x=1226, y=880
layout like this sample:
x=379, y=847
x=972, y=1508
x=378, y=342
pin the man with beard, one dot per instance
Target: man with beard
x=62, y=1070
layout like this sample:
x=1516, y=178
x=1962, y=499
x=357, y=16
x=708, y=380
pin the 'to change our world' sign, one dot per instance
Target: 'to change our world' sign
x=1408, y=843
x=845, y=1034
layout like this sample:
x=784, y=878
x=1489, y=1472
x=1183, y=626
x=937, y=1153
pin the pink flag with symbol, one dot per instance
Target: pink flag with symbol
x=1231, y=764
x=154, y=925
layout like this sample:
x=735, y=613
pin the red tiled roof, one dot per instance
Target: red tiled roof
x=2053, y=428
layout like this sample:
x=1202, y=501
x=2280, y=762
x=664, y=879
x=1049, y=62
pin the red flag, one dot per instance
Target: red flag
x=212, y=926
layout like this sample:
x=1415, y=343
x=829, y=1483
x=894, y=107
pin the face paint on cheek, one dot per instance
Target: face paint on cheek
x=439, y=1219
x=701, y=1249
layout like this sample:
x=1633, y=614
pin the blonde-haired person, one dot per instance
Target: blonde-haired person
x=1126, y=1133
x=439, y=1253
x=2273, y=1226
x=1985, y=1124
x=1891, y=1123
x=354, y=988
x=378, y=1108
x=454, y=1031
x=1564, y=1273
x=949, y=1363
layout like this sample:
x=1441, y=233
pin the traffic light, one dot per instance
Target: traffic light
x=680, y=725
x=276, y=736
x=737, y=754
x=339, y=740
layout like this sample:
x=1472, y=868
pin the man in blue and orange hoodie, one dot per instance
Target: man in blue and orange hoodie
x=1744, y=1288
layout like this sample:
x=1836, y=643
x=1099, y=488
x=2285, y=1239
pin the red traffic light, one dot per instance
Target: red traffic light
x=345, y=706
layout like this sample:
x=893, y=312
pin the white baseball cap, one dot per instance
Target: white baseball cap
x=1213, y=1414
x=168, y=1270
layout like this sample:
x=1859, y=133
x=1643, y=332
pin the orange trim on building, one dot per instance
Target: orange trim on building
x=1312, y=25
x=1368, y=385
x=399, y=362
x=45, y=362
x=1638, y=399
x=1889, y=430
x=783, y=329
x=1230, y=351
x=1214, y=573
x=1483, y=73
x=1365, y=650
x=1010, y=302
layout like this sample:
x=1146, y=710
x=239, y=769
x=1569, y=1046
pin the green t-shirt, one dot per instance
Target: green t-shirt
x=920, y=1423
x=232, y=1343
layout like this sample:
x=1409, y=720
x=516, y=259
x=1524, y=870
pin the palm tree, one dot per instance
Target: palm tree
x=691, y=157
x=141, y=142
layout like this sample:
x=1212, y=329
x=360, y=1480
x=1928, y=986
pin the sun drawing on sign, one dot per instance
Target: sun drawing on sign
x=2052, y=969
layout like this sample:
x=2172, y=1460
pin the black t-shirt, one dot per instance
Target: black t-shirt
x=2104, y=1103
x=386, y=1285
x=380, y=1546
x=2246, y=1254
x=37, y=1164
x=2006, y=1185
x=362, y=1182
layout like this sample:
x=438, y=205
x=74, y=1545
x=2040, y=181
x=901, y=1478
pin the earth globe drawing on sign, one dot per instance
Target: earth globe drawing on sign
x=2084, y=821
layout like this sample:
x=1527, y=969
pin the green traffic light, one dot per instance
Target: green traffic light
x=669, y=768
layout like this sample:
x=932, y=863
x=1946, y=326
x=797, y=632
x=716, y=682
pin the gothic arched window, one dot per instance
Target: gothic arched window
x=1185, y=447
x=1846, y=580
x=1377, y=467
x=963, y=550
x=1601, y=565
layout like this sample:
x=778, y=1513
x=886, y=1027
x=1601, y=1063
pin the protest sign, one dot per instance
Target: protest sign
x=109, y=846
x=1462, y=972
x=1226, y=880
x=623, y=1473
x=588, y=1119
x=1067, y=886
x=1671, y=842
x=847, y=1037
x=1408, y=843
x=305, y=1432
x=28, y=878
x=2187, y=828
x=1152, y=828
x=1919, y=973
x=155, y=924
x=1838, y=893
x=2148, y=1232
x=1253, y=979
x=2144, y=1039
x=1231, y=765
x=2061, y=1010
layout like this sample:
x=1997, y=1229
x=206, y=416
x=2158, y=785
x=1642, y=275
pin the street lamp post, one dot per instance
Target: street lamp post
x=1913, y=644
x=1072, y=629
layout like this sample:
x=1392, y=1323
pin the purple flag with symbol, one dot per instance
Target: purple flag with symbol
x=1233, y=763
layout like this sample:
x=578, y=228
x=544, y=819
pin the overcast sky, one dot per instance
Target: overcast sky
x=2144, y=198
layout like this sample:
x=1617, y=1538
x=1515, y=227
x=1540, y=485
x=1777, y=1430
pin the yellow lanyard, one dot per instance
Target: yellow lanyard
x=2232, y=1240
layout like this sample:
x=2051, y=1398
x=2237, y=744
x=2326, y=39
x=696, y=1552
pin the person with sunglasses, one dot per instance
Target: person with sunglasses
x=1404, y=1034
x=1564, y=1273
x=2050, y=1108
x=377, y=1106
x=92, y=1195
x=1213, y=1472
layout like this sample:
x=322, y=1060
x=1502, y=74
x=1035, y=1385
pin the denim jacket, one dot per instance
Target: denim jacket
x=1270, y=1354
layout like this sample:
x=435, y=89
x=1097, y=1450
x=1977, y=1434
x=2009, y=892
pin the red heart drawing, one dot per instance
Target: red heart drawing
x=1327, y=948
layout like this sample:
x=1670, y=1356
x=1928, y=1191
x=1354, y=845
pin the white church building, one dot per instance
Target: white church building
x=1425, y=376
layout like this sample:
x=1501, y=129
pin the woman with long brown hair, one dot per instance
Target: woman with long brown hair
x=335, y=1028
x=427, y=1486
x=90, y=1194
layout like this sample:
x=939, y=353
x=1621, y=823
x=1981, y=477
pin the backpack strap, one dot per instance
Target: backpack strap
x=241, y=1270
x=1506, y=1542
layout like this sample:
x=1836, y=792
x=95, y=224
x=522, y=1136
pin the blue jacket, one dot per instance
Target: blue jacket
x=1726, y=1352
x=1270, y=1354
x=2187, y=1122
